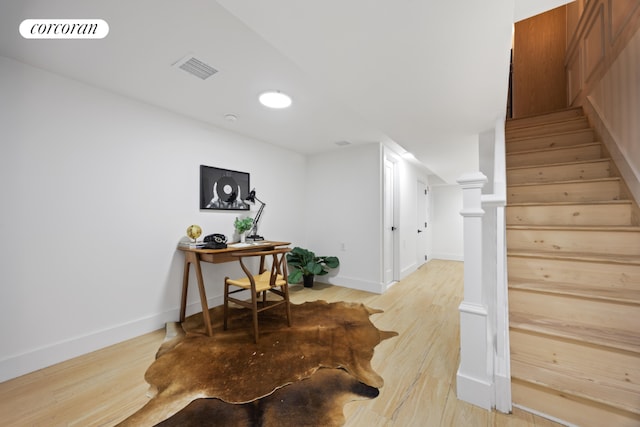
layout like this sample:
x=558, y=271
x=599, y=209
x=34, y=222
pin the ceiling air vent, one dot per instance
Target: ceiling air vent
x=196, y=67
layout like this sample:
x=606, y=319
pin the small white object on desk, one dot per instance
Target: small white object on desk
x=246, y=244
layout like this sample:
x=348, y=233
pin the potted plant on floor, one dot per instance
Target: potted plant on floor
x=305, y=265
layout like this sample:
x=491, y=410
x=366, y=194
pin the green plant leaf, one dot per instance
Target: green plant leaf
x=305, y=262
x=242, y=225
x=332, y=262
x=295, y=277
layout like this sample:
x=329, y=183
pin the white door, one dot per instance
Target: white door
x=388, y=221
x=422, y=223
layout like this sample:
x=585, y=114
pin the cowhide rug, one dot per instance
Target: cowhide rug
x=298, y=376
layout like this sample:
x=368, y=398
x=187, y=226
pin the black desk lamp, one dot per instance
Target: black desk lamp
x=253, y=233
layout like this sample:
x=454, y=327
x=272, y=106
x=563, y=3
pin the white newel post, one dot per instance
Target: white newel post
x=475, y=373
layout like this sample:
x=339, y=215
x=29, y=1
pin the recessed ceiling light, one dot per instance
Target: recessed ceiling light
x=275, y=99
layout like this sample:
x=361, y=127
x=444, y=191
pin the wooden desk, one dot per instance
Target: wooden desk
x=215, y=256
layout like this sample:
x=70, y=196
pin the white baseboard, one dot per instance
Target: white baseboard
x=448, y=257
x=474, y=391
x=408, y=270
x=21, y=364
x=358, y=284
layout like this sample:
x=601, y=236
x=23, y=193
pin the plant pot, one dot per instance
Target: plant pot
x=308, y=280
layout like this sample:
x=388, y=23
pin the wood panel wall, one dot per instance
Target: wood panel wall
x=597, y=31
x=539, y=80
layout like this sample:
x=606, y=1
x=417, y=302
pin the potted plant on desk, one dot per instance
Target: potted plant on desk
x=306, y=265
x=242, y=226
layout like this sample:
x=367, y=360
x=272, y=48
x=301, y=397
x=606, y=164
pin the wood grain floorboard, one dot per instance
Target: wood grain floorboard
x=418, y=366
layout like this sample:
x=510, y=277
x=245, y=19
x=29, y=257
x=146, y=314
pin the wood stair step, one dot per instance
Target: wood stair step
x=570, y=409
x=579, y=256
x=563, y=139
x=551, y=117
x=586, y=333
x=623, y=293
x=578, y=314
x=587, y=190
x=580, y=152
x=594, y=240
x=578, y=369
x=580, y=362
x=547, y=128
x=613, y=212
x=576, y=385
x=601, y=271
x=590, y=169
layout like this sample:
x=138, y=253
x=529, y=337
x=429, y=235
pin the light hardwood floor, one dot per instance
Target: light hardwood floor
x=418, y=366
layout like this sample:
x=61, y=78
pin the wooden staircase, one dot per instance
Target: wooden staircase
x=573, y=245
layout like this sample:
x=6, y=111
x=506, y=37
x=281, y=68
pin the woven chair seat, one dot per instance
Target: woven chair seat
x=263, y=281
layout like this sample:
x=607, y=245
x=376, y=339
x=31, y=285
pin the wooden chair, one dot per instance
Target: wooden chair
x=274, y=280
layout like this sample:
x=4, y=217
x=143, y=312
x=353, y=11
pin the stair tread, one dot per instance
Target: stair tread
x=615, y=228
x=602, y=336
x=601, y=202
x=578, y=256
x=575, y=384
x=578, y=110
x=607, y=293
x=538, y=150
x=573, y=163
x=525, y=121
x=551, y=121
x=572, y=181
x=516, y=139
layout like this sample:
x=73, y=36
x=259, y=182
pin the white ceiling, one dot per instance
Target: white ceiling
x=428, y=75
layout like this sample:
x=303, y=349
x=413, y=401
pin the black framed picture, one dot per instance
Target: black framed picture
x=223, y=189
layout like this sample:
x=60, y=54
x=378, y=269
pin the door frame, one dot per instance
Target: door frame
x=422, y=206
x=390, y=157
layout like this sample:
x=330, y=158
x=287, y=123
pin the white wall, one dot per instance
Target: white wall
x=344, y=210
x=616, y=101
x=447, y=222
x=96, y=191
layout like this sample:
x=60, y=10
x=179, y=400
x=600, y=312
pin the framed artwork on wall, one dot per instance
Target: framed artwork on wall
x=223, y=189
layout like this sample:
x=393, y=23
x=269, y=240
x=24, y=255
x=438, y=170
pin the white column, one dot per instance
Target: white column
x=475, y=372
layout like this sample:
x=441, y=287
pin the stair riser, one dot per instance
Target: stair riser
x=543, y=119
x=569, y=172
x=550, y=128
x=582, y=136
x=563, y=155
x=565, y=192
x=583, y=241
x=570, y=358
x=570, y=271
x=601, y=214
x=576, y=411
x=621, y=294
x=571, y=310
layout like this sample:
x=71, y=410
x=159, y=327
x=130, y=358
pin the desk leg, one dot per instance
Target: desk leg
x=192, y=258
x=185, y=285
